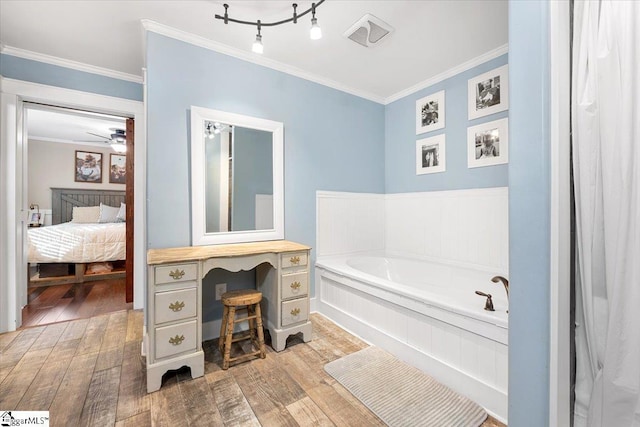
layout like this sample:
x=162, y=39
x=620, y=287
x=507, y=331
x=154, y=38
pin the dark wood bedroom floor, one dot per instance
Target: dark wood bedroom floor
x=51, y=304
x=89, y=372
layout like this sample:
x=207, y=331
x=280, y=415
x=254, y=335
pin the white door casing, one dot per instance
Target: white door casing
x=560, y=216
x=13, y=210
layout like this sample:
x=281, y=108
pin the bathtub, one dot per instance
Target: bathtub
x=427, y=314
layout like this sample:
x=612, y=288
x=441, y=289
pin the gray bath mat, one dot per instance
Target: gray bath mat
x=402, y=395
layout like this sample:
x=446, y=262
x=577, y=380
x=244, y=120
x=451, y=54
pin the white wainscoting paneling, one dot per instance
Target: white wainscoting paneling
x=463, y=227
x=264, y=211
x=349, y=223
x=468, y=228
x=470, y=364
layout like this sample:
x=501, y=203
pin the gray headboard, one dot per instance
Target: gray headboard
x=64, y=199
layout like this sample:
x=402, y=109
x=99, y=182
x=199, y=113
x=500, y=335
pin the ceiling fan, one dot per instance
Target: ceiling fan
x=117, y=139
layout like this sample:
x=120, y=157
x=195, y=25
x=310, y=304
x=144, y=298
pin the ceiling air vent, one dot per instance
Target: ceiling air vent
x=368, y=31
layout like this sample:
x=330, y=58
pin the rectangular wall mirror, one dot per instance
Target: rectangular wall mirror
x=236, y=178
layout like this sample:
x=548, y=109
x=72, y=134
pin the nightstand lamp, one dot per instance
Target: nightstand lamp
x=34, y=217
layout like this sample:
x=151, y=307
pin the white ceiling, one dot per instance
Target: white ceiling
x=73, y=127
x=430, y=37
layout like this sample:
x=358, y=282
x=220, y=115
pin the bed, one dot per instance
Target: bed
x=75, y=252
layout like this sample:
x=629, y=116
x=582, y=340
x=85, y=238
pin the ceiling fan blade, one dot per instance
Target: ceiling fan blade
x=99, y=136
x=108, y=141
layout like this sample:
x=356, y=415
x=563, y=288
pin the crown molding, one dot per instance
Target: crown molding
x=200, y=41
x=63, y=97
x=67, y=63
x=196, y=40
x=492, y=54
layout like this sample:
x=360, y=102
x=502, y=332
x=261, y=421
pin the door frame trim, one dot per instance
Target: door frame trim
x=560, y=215
x=14, y=92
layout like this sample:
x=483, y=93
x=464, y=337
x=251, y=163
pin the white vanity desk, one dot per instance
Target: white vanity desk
x=174, y=298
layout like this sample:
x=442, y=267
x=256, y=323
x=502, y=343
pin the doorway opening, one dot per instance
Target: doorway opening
x=78, y=183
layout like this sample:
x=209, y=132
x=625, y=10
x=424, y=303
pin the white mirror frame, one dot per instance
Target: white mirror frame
x=199, y=235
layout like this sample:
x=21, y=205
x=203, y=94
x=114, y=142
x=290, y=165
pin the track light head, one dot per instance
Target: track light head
x=316, y=32
x=258, y=47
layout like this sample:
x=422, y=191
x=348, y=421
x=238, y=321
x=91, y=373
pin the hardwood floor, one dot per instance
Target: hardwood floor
x=89, y=372
x=59, y=303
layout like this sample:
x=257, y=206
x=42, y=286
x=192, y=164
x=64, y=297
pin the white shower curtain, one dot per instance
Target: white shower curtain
x=606, y=162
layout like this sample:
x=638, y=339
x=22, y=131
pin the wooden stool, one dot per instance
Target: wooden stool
x=242, y=300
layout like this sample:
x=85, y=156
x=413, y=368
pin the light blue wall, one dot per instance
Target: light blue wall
x=332, y=140
x=28, y=70
x=252, y=174
x=335, y=141
x=400, y=140
x=529, y=213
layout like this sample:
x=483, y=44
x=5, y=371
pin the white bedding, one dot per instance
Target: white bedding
x=75, y=243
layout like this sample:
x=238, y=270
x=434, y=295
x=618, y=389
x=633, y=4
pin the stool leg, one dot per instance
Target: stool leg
x=223, y=329
x=252, y=324
x=263, y=352
x=228, y=337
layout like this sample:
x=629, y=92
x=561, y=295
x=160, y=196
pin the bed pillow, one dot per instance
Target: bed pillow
x=108, y=213
x=85, y=215
x=122, y=213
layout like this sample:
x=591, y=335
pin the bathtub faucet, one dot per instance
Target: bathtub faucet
x=488, y=305
x=504, y=281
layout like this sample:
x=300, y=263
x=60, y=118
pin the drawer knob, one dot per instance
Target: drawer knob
x=177, y=340
x=294, y=260
x=295, y=285
x=295, y=311
x=176, y=306
x=176, y=274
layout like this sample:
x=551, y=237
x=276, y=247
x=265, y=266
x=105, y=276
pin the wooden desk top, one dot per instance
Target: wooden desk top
x=198, y=253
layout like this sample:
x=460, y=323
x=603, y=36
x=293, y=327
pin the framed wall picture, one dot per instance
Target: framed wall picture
x=488, y=144
x=117, y=169
x=489, y=93
x=430, y=155
x=88, y=167
x=430, y=113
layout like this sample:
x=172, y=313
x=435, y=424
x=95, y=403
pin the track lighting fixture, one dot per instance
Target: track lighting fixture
x=315, y=33
x=257, y=45
x=209, y=131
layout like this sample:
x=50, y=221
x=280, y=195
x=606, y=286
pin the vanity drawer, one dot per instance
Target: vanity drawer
x=294, y=259
x=295, y=311
x=176, y=273
x=176, y=339
x=294, y=285
x=176, y=305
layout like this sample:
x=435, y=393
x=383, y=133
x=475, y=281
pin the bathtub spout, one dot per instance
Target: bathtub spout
x=504, y=281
